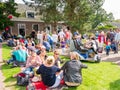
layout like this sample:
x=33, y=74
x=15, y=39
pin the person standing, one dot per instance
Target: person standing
x=33, y=34
x=117, y=39
x=40, y=37
x=55, y=40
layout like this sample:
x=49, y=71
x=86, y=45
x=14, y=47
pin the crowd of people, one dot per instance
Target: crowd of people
x=32, y=57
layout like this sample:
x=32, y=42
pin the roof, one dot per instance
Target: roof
x=117, y=24
x=21, y=8
x=26, y=19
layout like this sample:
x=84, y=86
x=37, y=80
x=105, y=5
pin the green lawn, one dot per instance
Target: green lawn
x=98, y=76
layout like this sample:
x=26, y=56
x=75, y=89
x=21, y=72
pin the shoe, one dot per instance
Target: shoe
x=14, y=65
x=6, y=62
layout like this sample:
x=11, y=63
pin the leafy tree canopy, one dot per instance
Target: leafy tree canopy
x=76, y=13
x=7, y=10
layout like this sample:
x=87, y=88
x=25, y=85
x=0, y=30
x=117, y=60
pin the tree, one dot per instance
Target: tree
x=51, y=12
x=79, y=14
x=7, y=10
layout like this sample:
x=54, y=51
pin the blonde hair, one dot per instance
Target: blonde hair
x=50, y=60
x=75, y=55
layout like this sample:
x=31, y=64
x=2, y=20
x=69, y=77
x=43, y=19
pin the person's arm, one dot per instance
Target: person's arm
x=38, y=70
x=83, y=65
x=64, y=66
x=58, y=64
x=28, y=63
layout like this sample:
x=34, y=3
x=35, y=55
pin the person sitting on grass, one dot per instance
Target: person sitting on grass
x=57, y=58
x=48, y=73
x=33, y=61
x=20, y=57
x=72, y=70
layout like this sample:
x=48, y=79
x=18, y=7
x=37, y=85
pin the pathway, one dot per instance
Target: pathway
x=1, y=76
x=115, y=58
x=2, y=85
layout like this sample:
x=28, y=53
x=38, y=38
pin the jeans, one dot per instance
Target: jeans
x=28, y=70
x=58, y=79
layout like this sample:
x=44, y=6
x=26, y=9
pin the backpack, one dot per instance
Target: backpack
x=22, y=79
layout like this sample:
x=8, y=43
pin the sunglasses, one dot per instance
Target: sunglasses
x=56, y=54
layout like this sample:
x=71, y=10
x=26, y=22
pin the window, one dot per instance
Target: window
x=30, y=14
x=59, y=27
x=21, y=29
x=48, y=28
x=35, y=27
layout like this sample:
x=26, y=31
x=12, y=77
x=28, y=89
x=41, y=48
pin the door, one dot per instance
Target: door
x=21, y=29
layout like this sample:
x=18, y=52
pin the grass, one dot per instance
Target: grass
x=98, y=76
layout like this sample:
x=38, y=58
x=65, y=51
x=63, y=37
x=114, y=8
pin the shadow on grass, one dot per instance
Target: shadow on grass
x=5, y=66
x=6, y=46
x=115, y=85
x=71, y=88
x=11, y=82
x=10, y=79
x=92, y=62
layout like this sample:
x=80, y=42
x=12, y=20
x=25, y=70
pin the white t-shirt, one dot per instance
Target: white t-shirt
x=40, y=37
x=55, y=37
x=61, y=34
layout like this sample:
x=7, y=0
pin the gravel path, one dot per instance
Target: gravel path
x=115, y=58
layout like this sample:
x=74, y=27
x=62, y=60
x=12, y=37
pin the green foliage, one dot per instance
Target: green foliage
x=106, y=27
x=82, y=15
x=6, y=9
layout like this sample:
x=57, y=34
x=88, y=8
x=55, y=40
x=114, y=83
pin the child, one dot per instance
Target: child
x=108, y=47
x=63, y=44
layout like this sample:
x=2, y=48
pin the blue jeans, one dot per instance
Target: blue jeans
x=28, y=70
x=11, y=60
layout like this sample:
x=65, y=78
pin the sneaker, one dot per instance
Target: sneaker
x=14, y=65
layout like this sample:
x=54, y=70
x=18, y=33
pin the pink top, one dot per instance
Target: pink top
x=32, y=63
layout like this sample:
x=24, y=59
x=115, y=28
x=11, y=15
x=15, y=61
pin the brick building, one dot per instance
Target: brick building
x=29, y=20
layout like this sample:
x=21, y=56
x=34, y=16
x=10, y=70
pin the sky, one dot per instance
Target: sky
x=112, y=6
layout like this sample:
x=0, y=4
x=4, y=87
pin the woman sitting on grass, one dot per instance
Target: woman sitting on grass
x=57, y=58
x=48, y=73
x=33, y=61
x=72, y=70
